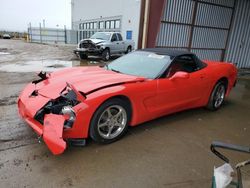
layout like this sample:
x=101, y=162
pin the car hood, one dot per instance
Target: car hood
x=84, y=79
x=95, y=41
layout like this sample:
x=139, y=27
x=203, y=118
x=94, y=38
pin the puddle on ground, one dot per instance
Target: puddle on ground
x=45, y=65
x=35, y=66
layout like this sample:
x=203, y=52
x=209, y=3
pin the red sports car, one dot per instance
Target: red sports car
x=73, y=104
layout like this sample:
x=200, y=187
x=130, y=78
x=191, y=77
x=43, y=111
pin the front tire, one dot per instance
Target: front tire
x=110, y=121
x=83, y=56
x=106, y=54
x=217, y=96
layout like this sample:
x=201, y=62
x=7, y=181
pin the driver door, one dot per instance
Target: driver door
x=175, y=94
x=114, y=48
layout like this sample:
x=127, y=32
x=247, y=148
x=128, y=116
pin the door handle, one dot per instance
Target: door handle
x=117, y=43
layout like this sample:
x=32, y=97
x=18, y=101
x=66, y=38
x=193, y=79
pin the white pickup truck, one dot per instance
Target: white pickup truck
x=104, y=44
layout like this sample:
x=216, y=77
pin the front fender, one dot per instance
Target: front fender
x=140, y=94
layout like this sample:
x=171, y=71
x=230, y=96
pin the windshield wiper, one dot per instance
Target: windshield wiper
x=115, y=70
x=107, y=67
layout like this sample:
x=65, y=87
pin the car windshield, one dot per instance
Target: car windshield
x=140, y=63
x=103, y=36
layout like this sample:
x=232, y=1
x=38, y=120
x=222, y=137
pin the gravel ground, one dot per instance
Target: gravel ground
x=172, y=151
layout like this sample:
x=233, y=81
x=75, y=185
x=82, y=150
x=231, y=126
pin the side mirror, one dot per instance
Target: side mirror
x=179, y=75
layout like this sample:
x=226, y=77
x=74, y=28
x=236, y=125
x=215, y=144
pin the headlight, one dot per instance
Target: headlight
x=68, y=110
x=99, y=46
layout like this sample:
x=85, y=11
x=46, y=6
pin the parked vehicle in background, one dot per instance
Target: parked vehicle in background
x=6, y=36
x=104, y=44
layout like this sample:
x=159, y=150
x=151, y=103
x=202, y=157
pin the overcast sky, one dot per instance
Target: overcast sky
x=15, y=15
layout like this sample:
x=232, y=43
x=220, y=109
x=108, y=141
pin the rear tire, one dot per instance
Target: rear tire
x=217, y=96
x=110, y=122
x=129, y=49
x=106, y=54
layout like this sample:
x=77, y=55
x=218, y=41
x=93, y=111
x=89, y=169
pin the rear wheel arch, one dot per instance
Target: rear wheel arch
x=129, y=46
x=224, y=80
x=128, y=49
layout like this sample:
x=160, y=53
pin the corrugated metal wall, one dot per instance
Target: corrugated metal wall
x=239, y=41
x=200, y=26
x=175, y=25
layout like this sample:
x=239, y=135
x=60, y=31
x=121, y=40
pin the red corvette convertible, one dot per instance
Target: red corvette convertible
x=73, y=104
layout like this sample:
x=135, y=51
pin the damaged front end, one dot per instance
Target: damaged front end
x=60, y=106
x=88, y=47
x=50, y=117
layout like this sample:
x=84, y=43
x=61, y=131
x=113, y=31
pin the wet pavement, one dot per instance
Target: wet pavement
x=172, y=151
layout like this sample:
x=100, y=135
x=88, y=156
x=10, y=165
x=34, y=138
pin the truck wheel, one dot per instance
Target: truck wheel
x=106, y=54
x=83, y=56
x=129, y=49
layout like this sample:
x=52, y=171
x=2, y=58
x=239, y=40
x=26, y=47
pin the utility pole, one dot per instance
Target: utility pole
x=65, y=34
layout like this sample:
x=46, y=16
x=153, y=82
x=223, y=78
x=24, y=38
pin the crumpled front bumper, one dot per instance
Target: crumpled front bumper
x=88, y=51
x=52, y=129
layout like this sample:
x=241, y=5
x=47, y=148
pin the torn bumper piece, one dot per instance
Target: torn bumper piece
x=52, y=133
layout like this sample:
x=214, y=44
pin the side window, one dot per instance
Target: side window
x=119, y=36
x=114, y=38
x=185, y=63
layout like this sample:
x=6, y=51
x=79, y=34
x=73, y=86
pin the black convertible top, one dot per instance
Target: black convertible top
x=166, y=51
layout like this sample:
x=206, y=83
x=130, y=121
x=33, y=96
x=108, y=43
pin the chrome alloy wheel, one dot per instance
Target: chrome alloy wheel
x=112, y=122
x=219, y=96
x=107, y=56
